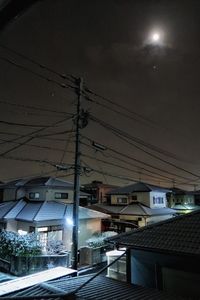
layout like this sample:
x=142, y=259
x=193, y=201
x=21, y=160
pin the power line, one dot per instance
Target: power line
x=119, y=166
x=141, y=162
x=22, y=124
x=137, y=140
x=34, y=107
x=30, y=138
x=69, y=77
x=62, y=85
x=119, y=106
x=121, y=133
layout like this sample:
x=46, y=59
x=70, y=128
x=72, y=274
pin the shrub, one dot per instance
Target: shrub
x=99, y=239
x=55, y=247
x=12, y=243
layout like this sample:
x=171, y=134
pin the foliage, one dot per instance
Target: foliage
x=11, y=243
x=99, y=239
x=55, y=247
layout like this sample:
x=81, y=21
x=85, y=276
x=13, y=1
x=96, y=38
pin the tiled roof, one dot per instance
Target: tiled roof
x=132, y=209
x=179, y=235
x=137, y=187
x=32, y=211
x=100, y=288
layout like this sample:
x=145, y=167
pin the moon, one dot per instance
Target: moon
x=155, y=37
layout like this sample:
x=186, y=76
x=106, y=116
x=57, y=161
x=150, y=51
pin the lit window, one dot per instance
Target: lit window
x=158, y=200
x=122, y=200
x=61, y=195
x=34, y=195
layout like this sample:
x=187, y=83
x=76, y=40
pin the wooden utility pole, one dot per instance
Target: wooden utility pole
x=77, y=169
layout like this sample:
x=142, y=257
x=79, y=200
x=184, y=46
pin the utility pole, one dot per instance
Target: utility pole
x=77, y=169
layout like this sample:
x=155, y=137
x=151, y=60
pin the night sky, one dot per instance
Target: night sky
x=154, y=137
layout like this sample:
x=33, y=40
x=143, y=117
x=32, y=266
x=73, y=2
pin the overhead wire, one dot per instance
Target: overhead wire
x=62, y=85
x=34, y=107
x=121, y=133
x=139, y=161
x=69, y=77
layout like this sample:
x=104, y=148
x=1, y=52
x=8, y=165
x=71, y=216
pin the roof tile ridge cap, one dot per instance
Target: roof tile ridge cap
x=125, y=207
x=39, y=208
x=142, y=207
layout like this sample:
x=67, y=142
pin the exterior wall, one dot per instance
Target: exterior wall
x=182, y=199
x=140, y=221
x=11, y=226
x=157, y=195
x=155, y=219
x=13, y=193
x=115, y=197
x=87, y=228
x=174, y=274
x=49, y=194
x=142, y=197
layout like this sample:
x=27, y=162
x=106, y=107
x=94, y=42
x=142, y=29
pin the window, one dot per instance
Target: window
x=61, y=195
x=121, y=200
x=134, y=197
x=158, y=200
x=34, y=195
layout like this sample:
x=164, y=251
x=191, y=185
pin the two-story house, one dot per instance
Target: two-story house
x=139, y=204
x=181, y=201
x=98, y=191
x=44, y=205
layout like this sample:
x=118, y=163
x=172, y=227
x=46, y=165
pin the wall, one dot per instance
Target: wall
x=155, y=219
x=174, y=274
x=130, y=218
x=157, y=194
x=87, y=228
x=11, y=226
x=9, y=194
x=49, y=194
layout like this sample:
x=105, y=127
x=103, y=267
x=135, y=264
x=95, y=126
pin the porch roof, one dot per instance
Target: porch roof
x=31, y=211
x=179, y=235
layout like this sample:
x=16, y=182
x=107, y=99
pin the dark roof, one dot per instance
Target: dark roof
x=179, y=235
x=137, y=187
x=100, y=288
x=177, y=191
x=134, y=208
x=44, y=181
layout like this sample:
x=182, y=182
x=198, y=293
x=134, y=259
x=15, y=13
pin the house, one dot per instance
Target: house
x=98, y=191
x=182, y=201
x=44, y=205
x=49, y=219
x=137, y=204
x=165, y=255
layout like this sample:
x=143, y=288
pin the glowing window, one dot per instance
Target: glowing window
x=61, y=195
x=34, y=195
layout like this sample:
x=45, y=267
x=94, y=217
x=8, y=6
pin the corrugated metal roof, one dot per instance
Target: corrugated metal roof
x=29, y=211
x=180, y=235
x=15, y=209
x=100, y=288
x=5, y=207
x=32, y=211
x=50, y=211
x=137, y=187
